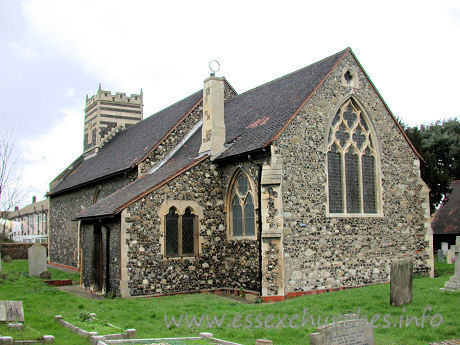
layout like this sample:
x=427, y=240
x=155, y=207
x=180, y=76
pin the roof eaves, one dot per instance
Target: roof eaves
x=158, y=185
x=118, y=172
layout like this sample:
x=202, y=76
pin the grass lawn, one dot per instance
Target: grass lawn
x=41, y=302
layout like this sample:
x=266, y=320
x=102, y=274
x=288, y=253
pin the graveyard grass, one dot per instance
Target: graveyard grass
x=41, y=302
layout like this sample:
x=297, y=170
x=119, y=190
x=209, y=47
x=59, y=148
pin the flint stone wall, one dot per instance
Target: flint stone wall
x=328, y=252
x=63, y=231
x=172, y=139
x=221, y=263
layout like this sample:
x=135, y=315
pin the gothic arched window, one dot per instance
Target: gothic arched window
x=241, y=207
x=351, y=163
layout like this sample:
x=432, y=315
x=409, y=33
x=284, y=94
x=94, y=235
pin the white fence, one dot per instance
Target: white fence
x=31, y=239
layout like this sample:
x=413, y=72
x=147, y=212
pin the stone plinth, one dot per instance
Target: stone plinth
x=401, y=283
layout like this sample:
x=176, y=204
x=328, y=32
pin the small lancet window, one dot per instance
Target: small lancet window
x=351, y=163
x=181, y=233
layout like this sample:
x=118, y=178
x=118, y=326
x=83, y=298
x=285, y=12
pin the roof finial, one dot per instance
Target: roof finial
x=99, y=89
x=141, y=92
x=214, y=66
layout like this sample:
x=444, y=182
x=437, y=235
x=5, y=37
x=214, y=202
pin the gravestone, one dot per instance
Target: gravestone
x=444, y=247
x=11, y=311
x=401, y=283
x=451, y=255
x=440, y=255
x=454, y=282
x=348, y=332
x=37, y=259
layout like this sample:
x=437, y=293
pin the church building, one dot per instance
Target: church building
x=302, y=185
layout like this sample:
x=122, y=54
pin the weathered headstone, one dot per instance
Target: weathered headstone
x=350, y=332
x=440, y=255
x=444, y=247
x=454, y=282
x=37, y=259
x=451, y=255
x=401, y=283
x=11, y=311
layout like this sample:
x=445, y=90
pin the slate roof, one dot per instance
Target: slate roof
x=185, y=157
x=252, y=121
x=127, y=148
x=254, y=118
x=447, y=218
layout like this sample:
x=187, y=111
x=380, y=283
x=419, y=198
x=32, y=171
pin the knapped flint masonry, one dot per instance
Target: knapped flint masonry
x=302, y=185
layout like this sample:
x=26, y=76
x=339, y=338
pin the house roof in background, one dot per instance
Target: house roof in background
x=446, y=220
x=40, y=206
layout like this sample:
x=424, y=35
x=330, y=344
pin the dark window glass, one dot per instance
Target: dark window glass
x=242, y=185
x=352, y=182
x=172, y=240
x=188, y=238
x=249, y=227
x=334, y=165
x=349, y=116
x=237, y=224
x=368, y=168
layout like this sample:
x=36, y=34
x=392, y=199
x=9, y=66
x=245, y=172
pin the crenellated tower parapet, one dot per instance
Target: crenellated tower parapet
x=105, y=112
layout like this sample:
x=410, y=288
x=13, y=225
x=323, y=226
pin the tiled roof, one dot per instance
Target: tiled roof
x=254, y=118
x=128, y=147
x=39, y=206
x=447, y=217
x=185, y=157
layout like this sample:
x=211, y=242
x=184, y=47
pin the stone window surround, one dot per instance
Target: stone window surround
x=228, y=204
x=180, y=206
x=378, y=153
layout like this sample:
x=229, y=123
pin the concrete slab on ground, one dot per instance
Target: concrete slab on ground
x=80, y=291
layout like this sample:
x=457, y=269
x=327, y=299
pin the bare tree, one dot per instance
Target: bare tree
x=10, y=173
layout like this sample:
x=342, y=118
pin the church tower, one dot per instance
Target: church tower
x=106, y=114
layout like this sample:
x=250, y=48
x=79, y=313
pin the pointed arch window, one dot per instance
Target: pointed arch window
x=351, y=163
x=242, y=209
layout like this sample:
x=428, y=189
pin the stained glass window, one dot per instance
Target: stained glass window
x=351, y=162
x=242, y=207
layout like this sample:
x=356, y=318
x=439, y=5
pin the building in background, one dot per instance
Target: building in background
x=30, y=223
x=446, y=221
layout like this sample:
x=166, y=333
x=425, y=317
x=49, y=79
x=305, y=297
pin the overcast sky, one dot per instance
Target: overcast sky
x=54, y=52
